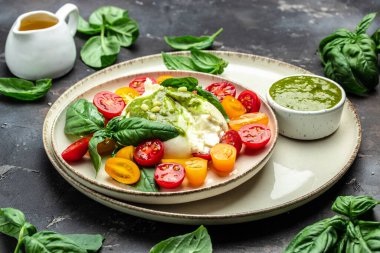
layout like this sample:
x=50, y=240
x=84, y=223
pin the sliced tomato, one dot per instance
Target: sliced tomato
x=106, y=147
x=127, y=93
x=76, y=150
x=232, y=137
x=223, y=157
x=222, y=89
x=255, y=136
x=109, y=104
x=149, y=152
x=248, y=118
x=250, y=101
x=206, y=156
x=169, y=175
x=233, y=107
x=139, y=83
x=122, y=170
x=162, y=78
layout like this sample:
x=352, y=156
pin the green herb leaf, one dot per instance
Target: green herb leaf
x=12, y=221
x=190, y=42
x=213, y=100
x=365, y=23
x=100, y=51
x=198, y=241
x=109, y=13
x=320, y=237
x=354, y=206
x=207, y=62
x=97, y=138
x=132, y=131
x=125, y=30
x=50, y=242
x=91, y=243
x=83, y=118
x=24, y=90
x=376, y=38
x=86, y=28
x=189, y=82
x=146, y=182
x=177, y=62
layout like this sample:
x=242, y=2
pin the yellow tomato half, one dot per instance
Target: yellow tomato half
x=126, y=152
x=223, y=157
x=122, y=170
x=127, y=93
x=233, y=107
x=162, y=78
x=248, y=118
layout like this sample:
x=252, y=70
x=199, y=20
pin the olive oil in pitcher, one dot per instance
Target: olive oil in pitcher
x=37, y=21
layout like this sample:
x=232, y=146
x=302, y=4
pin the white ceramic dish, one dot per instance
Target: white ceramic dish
x=246, y=166
x=276, y=189
x=308, y=125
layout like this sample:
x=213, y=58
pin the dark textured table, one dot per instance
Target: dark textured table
x=284, y=30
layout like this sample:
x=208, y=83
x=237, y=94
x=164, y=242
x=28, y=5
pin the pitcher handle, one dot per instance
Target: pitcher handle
x=71, y=11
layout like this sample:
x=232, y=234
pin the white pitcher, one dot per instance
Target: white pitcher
x=40, y=44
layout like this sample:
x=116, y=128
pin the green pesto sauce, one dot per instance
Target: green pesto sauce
x=305, y=93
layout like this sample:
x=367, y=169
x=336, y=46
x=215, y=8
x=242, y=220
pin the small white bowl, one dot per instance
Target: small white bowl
x=308, y=125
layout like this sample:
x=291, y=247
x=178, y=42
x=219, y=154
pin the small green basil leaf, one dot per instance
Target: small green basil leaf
x=208, y=63
x=91, y=243
x=24, y=90
x=86, y=28
x=376, y=38
x=320, y=237
x=189, y=82
x=354, y=206
x=83, y=118
x=189, y=42
x=146, y=182
x=97, y=138
x=100, y=51
x=198, y=241
x=50, y=242
x=109, y=13
x=125, y=30
x=11, y=221
x=361, y=237
x=213, y=100
x=365, y=23
x=132, y=131
x=177, y=62
x=340, y=34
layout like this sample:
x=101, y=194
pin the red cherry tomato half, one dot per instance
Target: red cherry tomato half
x=109, y=104
x=250, y=101
x=205, y=156
x=149, y=152
x=232, y=137
x=222, y=89
x=76, y=150
x=169, y=175
x=139, y=83
x=255, y=136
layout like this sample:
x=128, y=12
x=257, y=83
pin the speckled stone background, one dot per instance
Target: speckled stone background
x=285, y=30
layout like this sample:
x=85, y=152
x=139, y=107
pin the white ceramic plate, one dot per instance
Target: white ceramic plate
x=297, y=172
x=246, y=164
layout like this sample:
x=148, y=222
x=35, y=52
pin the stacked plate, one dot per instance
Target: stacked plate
x=284, y=175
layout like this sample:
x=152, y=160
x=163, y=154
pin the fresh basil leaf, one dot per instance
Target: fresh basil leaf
x=86, y=28
x=320, y=237
x=189, y=42
x=213, y=100
x=50, y=242
x=361, y=237
x=125, y=31
x=198, y=241
x=207, y=62
x=11, y=221
x=91, y=243
x=376, y=38
x=83, y=118
x=146, y=182
x=100, y=51
x=97, y=138
x=132, y=131
x=354, y=206
x=24, y=90
x=365, y=23
x=109, y=13
x=177, y=62
x=189, y=82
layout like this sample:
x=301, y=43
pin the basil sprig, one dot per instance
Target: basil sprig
x=23, y=89
x=189, y=42
x=116, y=30
x=200, y=61
x=343, y=233
x=14, y=224
x=350, y=57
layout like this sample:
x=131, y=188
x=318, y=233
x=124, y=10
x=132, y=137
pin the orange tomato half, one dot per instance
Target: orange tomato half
x=248, y=118
x=127, y=93
x=223, y=157
x=122, y=170
x=162, y=78
x=233, y=107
